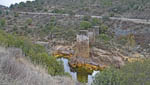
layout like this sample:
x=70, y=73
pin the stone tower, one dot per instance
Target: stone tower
x=82, y=44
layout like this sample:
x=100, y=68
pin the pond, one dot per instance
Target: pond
x=79, y=74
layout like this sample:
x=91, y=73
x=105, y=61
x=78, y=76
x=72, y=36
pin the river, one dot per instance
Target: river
x=79, y=75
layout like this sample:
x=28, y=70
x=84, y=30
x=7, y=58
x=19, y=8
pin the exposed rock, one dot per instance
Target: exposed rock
x=108, y=58
x=65, y=51
x=98, y=59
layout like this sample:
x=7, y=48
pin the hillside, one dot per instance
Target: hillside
x=56, y=28
x=1, y=6
x=59, y=39
x=15, y=69
x=118, y=8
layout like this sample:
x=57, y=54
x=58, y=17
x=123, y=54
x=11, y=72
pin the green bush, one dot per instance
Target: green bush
x=106, y=3
x=135, y=73
x=71, y=13
x=35, y=52
x=96, y=21
x=1, y=12
x=70, y=34
x=107, y=77
x=86, y=18
x=16, y=14
x=29, y=21
x=85, y=25
x=49, y=27
x=103, y=28
x=58, y=11
x=7, y=12
x=111, y=14
x=106, y=38
x=2, y=22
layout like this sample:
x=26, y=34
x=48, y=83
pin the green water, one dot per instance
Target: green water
x=79, y=74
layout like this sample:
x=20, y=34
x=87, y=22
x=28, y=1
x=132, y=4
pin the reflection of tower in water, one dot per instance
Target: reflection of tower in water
x=82, y=77
x=82, y=74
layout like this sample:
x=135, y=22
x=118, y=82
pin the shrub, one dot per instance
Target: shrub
x=106, y=38
x=29, y=21
x=85, y=25
x=70, y=34
x=106, y=3
x=107, y=77
x=111, y=14
x=16, y=14
x=103, y=28
x=7, y=12
x=71, y=13
x=135, y=73
x=86, y=18
x=1, y=12
x=2, y=22
x=58, y=11
x=96, y=21
x=35, y=52
x=45, y=10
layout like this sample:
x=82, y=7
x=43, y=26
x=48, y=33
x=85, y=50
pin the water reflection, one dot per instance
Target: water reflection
x=79, y=74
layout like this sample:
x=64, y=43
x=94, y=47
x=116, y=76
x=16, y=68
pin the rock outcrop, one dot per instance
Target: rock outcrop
x=98, y=60
x=63, y=51
x=108, y=58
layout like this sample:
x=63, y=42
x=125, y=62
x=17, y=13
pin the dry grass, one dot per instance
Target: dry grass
x=16, y=70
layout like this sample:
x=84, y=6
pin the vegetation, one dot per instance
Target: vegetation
x=131, y=40
x=85, y=25
x=96, y=21
x=135, y=73
x=16, y=14
x=86, y=18
x=2, y=22
x=58, y=11
x=110, y=7
x=1, y=12
x=35, y=52
x=103, y=29
x=104, y=35
x=107, y=77
x=44, y=27
x=29, y=21
x=106, y=38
